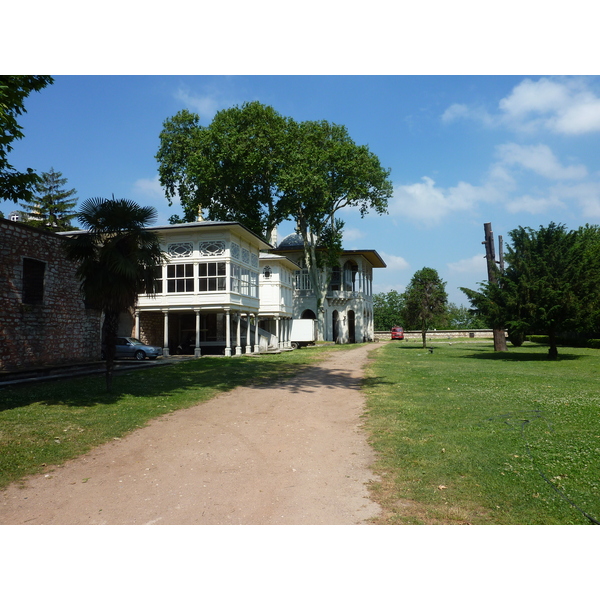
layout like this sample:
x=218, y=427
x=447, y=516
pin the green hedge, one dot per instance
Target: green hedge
x=564, y=341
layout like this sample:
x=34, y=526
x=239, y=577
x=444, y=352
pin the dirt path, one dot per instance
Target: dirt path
x=291, y=454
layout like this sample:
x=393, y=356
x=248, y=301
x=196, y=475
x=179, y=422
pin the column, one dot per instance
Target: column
x=256, y=339
x=197, y=351
x=227, y=333
x=137, y=324
x=278, y=331
x=166, y=333
x=238, y=336
x=248, y=344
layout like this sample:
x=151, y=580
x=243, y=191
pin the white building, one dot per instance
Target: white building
x=224, y=290
x=208, y=294
x=276, y=292
x=348, y=307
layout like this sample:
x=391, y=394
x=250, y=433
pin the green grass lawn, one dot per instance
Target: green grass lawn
x=469, y=435
x=44, y=424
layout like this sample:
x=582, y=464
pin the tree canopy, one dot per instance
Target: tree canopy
x=387, y=310
x=117, y=258
x=51, y=205
x=551, y=283
x=252, y=165
x=425, y=300
x=15, y=185
x=231, y=168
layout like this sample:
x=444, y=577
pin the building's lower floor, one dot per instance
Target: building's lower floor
x=200, y=332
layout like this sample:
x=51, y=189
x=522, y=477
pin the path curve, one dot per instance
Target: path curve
x=294, y=453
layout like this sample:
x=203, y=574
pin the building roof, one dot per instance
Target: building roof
x=266, y=256
x=242, y=230
x=294, y=243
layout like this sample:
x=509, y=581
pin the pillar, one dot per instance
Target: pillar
x=238, y=334
x=227, y=333
x=166, y=333
x=248, y=344
x=197, y=351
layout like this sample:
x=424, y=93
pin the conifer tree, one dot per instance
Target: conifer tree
x=51, y=205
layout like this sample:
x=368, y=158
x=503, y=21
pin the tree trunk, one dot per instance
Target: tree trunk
x=424, y=336
x=500, y=340
x=110, y=328
x=553, y=350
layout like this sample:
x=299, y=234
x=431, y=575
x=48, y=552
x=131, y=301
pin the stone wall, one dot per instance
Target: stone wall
x=441, y=334
x=55, y=328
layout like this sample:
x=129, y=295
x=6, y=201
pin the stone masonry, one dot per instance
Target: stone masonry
x=55, y=327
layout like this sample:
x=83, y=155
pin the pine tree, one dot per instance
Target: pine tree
x=51, y=206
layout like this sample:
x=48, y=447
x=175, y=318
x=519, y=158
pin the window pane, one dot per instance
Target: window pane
x=221, y=270
x=202, y=269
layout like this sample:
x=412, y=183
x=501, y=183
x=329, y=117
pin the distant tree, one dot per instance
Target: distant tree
x=51, y=207
x=551, y=283
x=15, y=185
x=387, y=310
x=425, y=300
x=117, y=258
x=461, y=317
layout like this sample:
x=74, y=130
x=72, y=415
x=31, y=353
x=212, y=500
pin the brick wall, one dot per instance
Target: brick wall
x=58, y=329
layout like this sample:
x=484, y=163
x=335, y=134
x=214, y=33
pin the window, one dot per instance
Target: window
x=254, y=284
x=212, y=277
x=33, y=281
x=180, y=278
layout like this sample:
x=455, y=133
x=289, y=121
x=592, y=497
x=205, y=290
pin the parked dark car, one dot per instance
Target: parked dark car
x=128, y=347
x=397, y=333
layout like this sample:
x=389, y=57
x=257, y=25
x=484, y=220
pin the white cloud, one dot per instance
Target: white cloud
x=475, y=265
x=462, y=111
x=149, y=188
x=206, y=104
x=539, y=159
x=561, y=105
x=352, y=234
x=429, y=204
x=534, y=206
x=586, y=195
x=564, y=106
x=394, y=263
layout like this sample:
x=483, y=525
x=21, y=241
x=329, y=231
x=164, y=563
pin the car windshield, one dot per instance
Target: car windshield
x=135, y=341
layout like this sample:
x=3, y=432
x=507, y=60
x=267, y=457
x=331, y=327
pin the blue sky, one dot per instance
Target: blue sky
x=463, y=150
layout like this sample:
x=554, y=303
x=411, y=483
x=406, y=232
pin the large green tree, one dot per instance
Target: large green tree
x=425, y=300
x=117, y=258
x=51, y=206
x=326, y=172
x=551, y=283
x=14, y=89
x=257, y=167
x=231, y=168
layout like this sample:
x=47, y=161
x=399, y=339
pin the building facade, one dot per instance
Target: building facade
x=347, y=311
x=43, y=318
x=208, y=295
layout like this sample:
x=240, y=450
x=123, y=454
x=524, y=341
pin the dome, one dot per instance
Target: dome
x=294, y=240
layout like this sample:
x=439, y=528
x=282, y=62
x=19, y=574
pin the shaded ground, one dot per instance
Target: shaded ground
x=290, y=454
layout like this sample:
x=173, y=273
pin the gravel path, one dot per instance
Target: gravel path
x=294, y=453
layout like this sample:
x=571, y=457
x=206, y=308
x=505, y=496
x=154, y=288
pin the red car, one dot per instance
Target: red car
x=397, y=333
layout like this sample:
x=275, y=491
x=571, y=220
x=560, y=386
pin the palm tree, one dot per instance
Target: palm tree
x=117, y=257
